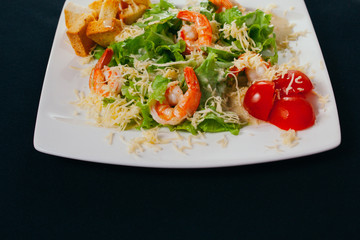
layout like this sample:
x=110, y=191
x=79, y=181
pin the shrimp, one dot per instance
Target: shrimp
x=104, y=80
x=200, y=33
x=253, y=65
x=173, y=93
x=178, y=106
x=222, y=4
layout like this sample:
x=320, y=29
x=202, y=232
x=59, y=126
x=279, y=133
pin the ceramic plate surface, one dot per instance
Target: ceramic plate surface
x=60, y=132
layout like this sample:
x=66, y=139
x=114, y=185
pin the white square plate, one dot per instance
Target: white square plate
x=59, y=132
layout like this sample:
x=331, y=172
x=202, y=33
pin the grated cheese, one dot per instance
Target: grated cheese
x=180, y=150
x=290, y=138
x=129, y=31
x=223, y=141
x=227, y=116
x=269, y=8
x=275, y=147
x=236, y=100
x=249, y=60
x=110, y=138
x=117, y=114
x=240, y=34
x=289, y=87
x=323, y=100
x=200, y=143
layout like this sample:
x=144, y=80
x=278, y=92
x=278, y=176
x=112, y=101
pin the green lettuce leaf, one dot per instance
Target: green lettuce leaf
x=207, y=8
x=107, y=101
x=259, y=27
x=213, y=123
x=127, y=88
x=159, y=87
x=147, y=122
x=158, y=13
x=228, y=16
x=184, y=126
x=211, y=76
x=222, y=55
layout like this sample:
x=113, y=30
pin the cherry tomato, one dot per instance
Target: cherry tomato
x=292, y=113
x=293, y=83
x=259, y=99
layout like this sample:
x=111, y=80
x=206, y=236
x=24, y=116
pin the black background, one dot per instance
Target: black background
x=48, y=197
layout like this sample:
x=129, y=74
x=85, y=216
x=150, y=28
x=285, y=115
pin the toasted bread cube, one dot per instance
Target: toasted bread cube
x=109, y=9
x=74, y=11
x=138, y=2
x=96, y=6
x=103, y=32
x=132, y=13
x=78, y=38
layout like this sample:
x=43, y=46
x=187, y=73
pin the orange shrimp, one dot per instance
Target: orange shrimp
x=255, y=71
x=186, y=105
x=253, y=65
x=103, y=80
x=222, y=4
x=201, y=34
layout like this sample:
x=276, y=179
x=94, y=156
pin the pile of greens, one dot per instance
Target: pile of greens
x=159, y=44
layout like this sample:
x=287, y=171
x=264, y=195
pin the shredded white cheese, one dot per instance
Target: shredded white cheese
x=290, y=138
x=129, y=31
x=110, y=138
x=241, y=34
x=223, y=141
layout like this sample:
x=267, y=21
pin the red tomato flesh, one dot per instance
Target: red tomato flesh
x=259, y=99
x=292, y=113
x=293, y=83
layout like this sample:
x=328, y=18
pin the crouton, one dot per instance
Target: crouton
x=96, y=6
x=81, y=44
x=103, y=32
x=74, y=11
x=132, y=12
x=77, y=19
x=109, y=9
x=138, y=2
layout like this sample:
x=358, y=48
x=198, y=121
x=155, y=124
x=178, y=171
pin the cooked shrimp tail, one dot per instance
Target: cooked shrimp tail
x=98, y=82
x=202, y=27
x=222, y=4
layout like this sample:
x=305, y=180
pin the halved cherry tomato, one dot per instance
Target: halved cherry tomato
x=259, y=99
x=292, y=113
x=293, y=83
